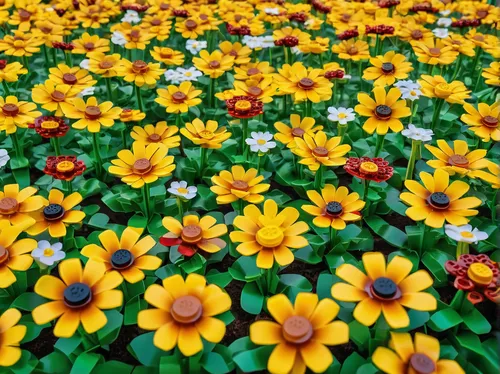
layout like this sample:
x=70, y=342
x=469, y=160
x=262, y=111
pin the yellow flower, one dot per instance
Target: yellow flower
x=434, y=52
x=178, y=99
x=207, y=135
x=386, y=69
x=11, y=72
x=270, y=234
x=240, y=52
x=136, y=37
x=11, y=335
x=414, y=32
x=334, y=207
x=20, y=44
x=91, y=16
x=48, y=32
x=54, y=98
x=436, y=86
x=263, y=90
x=484, y=122
x=88, y=43
x=131, y=115
x=306, y=85
x=492, y=74
x=14, y=255
x=406, y=356
x=384, y=112
x=17, y=206
x=57, y=213
x=319, y=150
x=316, y=46
x=300, y=36
x=167, y=55
x=481, y=40
x=158, y=24
x=301, y=333
x=106, y=66
x=159, y=133
x=384, y=289
x=185, y=312
x=190, y=28
x=460, y=44
x=75, y=77
x=253, y=70
x=438, y=200
x=287, y=135
x=140, y=72
x=92, y=115
x=14, y=114
x=213, y=64
x=77, y=297
x=126, y=255
x=142, y=164
x=352, y=50
x=239, y=184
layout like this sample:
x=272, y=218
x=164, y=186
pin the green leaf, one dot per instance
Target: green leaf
x=352, y=363
x=253, y=360
x=111, y=367
x=133, y=307
x=390, y=234
x=68, y=345
x=25, y=365
x=84, y=364
x=99, y=221
x=444, y=319
x=28, y=301
x=110, y=331
x=143, y=349
x=359, y=334
x=55, y=363
x=214, y=363
x=476, y=322
x=251, y=298
x=170, y=365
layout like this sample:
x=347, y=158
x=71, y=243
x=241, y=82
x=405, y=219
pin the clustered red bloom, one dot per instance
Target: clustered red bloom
x=3, y=64
x=63, y=46
x=476, y=274
x=60, y=12
x=49, y=126
x=424, y=7
x=380, y=30
x=300, y=17
x=287, y=41
x=76, y=4
x=184, y=248
x=64, y=167
x=373, y=169
x=388, y=3
x=334, y=74
x=461, y=23
x=232, y=30
x=183, y=13
x=244, y=106
x=348, y=34
x=320, y=7
x=135, y=7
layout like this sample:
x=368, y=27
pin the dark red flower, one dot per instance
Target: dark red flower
x=388, y=3
x=477, y=275
x=300, y=17
x=424, y=7
x=60, y=12
x=348, y=34
x=49, y=126
x=237, y=30
x=64, y=167
x=63, y=46
x=334, y=74
x=320, y=7
x=135, y=7
x=244, y=106
x=184, y=249
x=373, y=169
x=183, y=13
x=3, y=64
x=461, y=23
x=380, y=30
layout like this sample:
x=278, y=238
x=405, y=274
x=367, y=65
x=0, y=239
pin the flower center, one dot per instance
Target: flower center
x=306, y=83
x=240, y=185
x=105, y=64
x=261, y=141
x=10, y=110
x=8, y=205
x=298, y=132
x=205, y=134
x=243, y=105
x=166, y=55
x=387, y=68
x=417, y=34
x=422, y=364
x=255, y=91
x=384, y=288
x=89, y=46
x=24, y=15
x=53, y=212
x=297, y=329
x=342, y=115
x=179, y=97
x=65, y=166
x=480, y=274
x=139, y=66
x=77, y=295
x=435, y=51
x=439, y=200
x=69, y=79
x=214, y=64
x=142, y=166
x=253, y=71
x=48, y=252
x=479, y=38
x=4, y=254
x=182, y=190
x=383, y=111
x=466, y=234
x=320, y=152
x=442, y=90
x=58, y=96
x=122, y=259
x=481, y=14
x=190, y=24
x=458, y=160
x=233, y=53
x=352, y=50
x=270, y=236
x=490, y=121
x=186, y=309
x=164, y=6
x=154, y=138
x=192, y=233
x=368, y=167
x=49, y=125
x=135, y=34
x=334, y=209
x=92, y=112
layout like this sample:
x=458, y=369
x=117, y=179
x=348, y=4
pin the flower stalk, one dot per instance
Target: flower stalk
x=139, y=98
x=97, y=155
x=56, y=145
x=318, y=178
x=145, y=198
x=416, y=149
x=435, y=116
x=342, y=129
x=462, y=249
x=380, y=144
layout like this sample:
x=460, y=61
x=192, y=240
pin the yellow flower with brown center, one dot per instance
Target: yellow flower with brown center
x=48, y=32
x=20, y=44
x=334, y=207
x=319, y=150
x=240, y=52
x=460, y=44
x=91, y=115
x=127, y=254
x=418, y=356
x=297, y=129
x=17, y=206
x=414, y=32
x=91, y=16
x=168, y=56
x=157, y=24
x=316, y=46
x=269, y=234
x=352, y=50
x=131, y=115
x=306, y=85
x=54, y=98
x=11, y=335
x=434, y=52
x=384, y=112
x=437, y=200
x=77, y=297
x=142, y=165
x=213, y=64
x=384, y=289
x=208, y=135
x=178, y=99
x=190, y=28
x=136, y=37
x=387, y=68
x=263, y=90
x=253, y=70
x=185, y=312
x=75, y=77
x=11, y=72
x=159, y=133
x=492, y=74
x=483, y=122
x=436, y=86
x=15, y=113
x=24, y=15
x=140, y=72
x=106, y=66
x=481, y=40
x=239, y=184
x=90, y=43
x=301, y=333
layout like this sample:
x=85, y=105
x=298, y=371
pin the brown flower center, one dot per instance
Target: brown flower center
x=166, y=55
x=417, y=34
x=179, y=97
x=203, y=17
x=69, y=78
x=8, y=205
x=255, y=91
x=10, y=110
x=387, y=68
x=352, y=50
x=135, y=34
x=155, y=22
x=155, y=138
x=306, y=83
x=24, y=14
x=383, y=111
x=439, y=201
x=106, y=64
x=320, y=152
x=481, y=14
x=4, y=255
x=435, y=51
x=297, y=329
x=298, y=132
x=190, y=24
x=479, y=38
x=240, y=185
x=345, y=17
x=458, y=160
x=490, y=121
x=192, y=233
x=89, y=46
x=186, y=309
x=214, y=64
x=139, y=66
x=142, y=166
x=164, y=6
x=58, y=96
x=253, y=71
x=92, y=112
x=233, y=53
x=422, y=364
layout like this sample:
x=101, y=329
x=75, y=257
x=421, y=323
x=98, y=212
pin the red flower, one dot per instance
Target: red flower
x=476, y=274
x=244, y=106
x=64, y=167
x=183, y=13
x=374, y=169
x=240, y=30
x=334, y=74
x=348, y=34
x=49, y=126
x=380, y=30
x=184, y=249
x=63, y=46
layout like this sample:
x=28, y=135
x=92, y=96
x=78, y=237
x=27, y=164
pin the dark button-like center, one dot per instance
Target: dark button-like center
x=190, y=24
x=346, y=17
x=164, y=6
x=481, y=14
x=297, y=131
x=192, y=233
x=240, y=185
x=154, y=138
x=77, y=295
x=254, y=91
x=297, y=329
x=186, y=309
x=306, y=83
x=122, y=259
x=233, y=53
x=439, y=200
x=253, y=71
x=92, y=112
x=352, y=50
x=142, y=166
x=135, y=34
x=490, y=121
x=156, y=22
x=10, y=109
x=214, y=64
x=384, y=287
x=387, y=67
x=383, y=111
x=203, y=17
x=320, y=152
x=334, y=208
x=458, y=160
x=106, y=64
x=58, y=96
x=417, y=34
x=89, y=46
x=53, y=212
x=140, y=66
x=179, y=97
x=435, y=51
x=24, y=14
x=422, y=364
x=69, y=79
x=4, y=254
x=8, y=205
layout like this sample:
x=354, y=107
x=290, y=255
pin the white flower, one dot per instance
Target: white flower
x=440, y=33
x=85, y=64
x=182, y=189
x=445, y=12
x=409, y=89
x=4, y=157
x=195, y=46
x=171, y=75
x=341, y=115
x=416, y=133
x=260, y=141
x=296, y=50
x=465, y=233
x=131, y=17
x=272, y=11
x=444, y=22
x=49, y=9
x=258, y=41
x=190, y=74
x=46, y=254
x=89, y=91
x=118, y=38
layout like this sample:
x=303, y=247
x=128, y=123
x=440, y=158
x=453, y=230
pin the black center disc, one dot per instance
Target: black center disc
x=384, y=287
x=439, y=200
x=77, y=294
x=383, y=111
x=334, y=208
x=387, y=67
x=121, y=259
x=53, y=212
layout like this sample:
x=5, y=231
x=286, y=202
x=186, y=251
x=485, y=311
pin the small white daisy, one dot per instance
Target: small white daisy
x=444, y=22
x=173, y=76
x=409, y=89
x=440, y=33
x=272, y=11
x=260, y=141
x=89, y=91
x=4, y=157
x=445, y=12
x=195, y=46
x=118, y=38
x=46, y=254
x=181, y=189
x=416, y=133
x=341, y=115
x=131, y=16
x=189, y=74
x=258, y=41
x=465, y=233
x=85, y=64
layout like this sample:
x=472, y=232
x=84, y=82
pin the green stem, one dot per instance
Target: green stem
x=244, y=132
x=211, y=89
x=6, y=88
x=46, y=57
x=145, y=199
x=478, y=80
x=203, y=159
x=180, y=207
x=414, y=108
x=437, y=112
x=108, y=88
x=422, y=241
x=17, y=145
x=415, y=145
x=97, y=154
x=54, y=56
x=318, y=178
x=380, y=144
x=476, y=60
x=334, y=94
x=458, y=64
x=139, y=98
x=26, y=63
x=462, y=249
x=333, y=236
x=68, y=187
x=124, y=137
x=429, y=69
x=241, y=206
x=309, y=108
x=69, y=60
x=56, y=145
x=366, y=187
x=342, y=129
x=493, y=207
